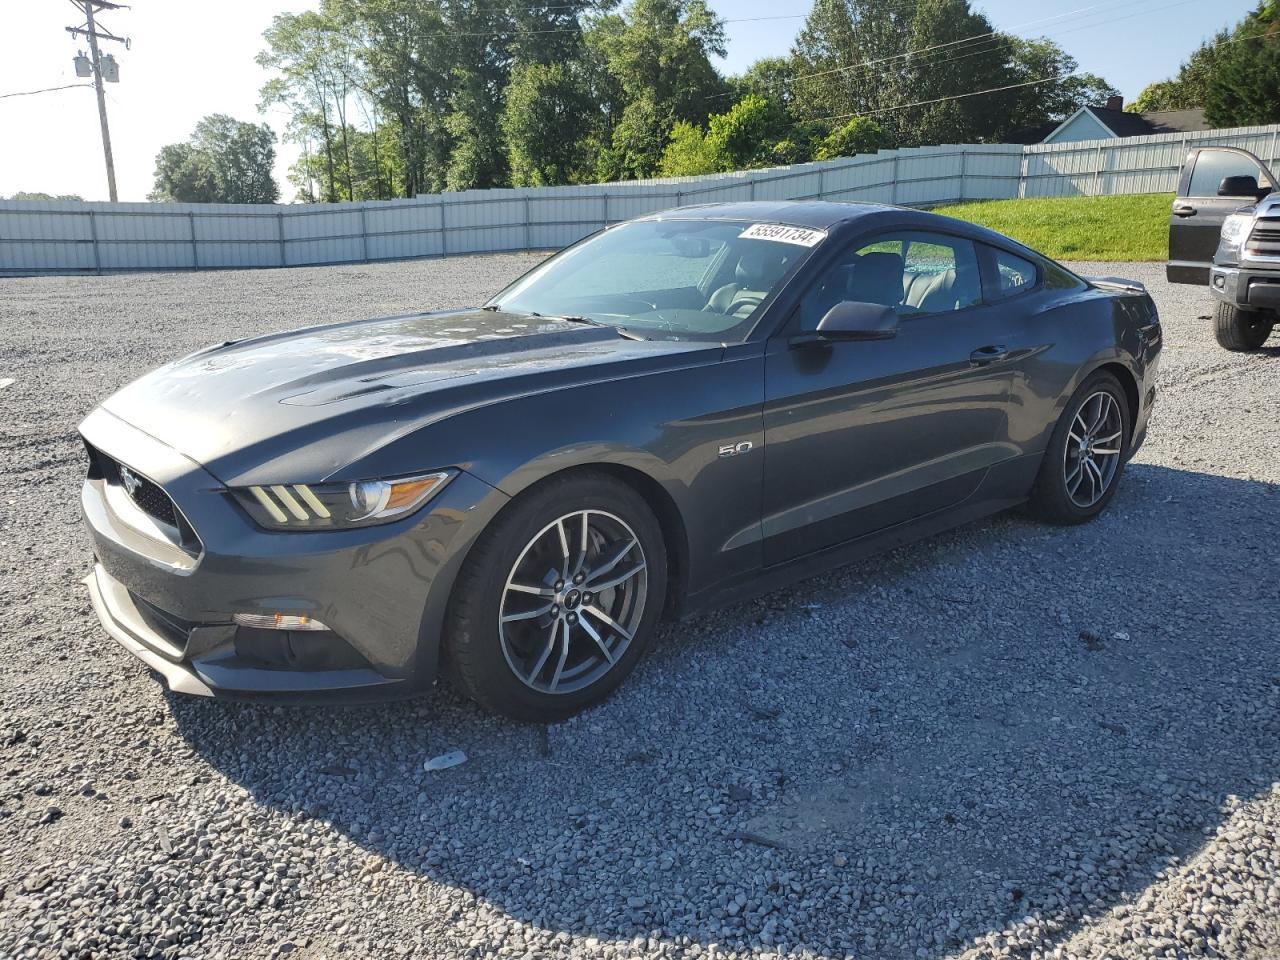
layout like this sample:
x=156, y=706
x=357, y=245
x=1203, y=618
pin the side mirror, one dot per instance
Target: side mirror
x=1241, y=186
x=855, y=320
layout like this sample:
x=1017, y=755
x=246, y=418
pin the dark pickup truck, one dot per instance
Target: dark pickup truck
x=1224, y=232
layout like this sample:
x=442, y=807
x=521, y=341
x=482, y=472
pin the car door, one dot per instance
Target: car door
x=1199, y=208
x=862, y=435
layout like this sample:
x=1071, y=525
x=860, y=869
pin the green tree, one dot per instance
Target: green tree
x=1189, y=87
x=1060, y=95
x=404, y=96
x=185, y=175
x=948, y=65
x=406, y=58
x=1161, y=95
x=481, y=64
x=754, y=132
x=1235, y=76
x=1244, y=84
x=905, y=63
x=476, y=158
x=859, y=135
x=37, y=195
x=225, y=161
x=658, y=52
x=769, y=77
x=544, y=122
x=745, y=135
x=639, y=135
x=605, y=98
x=826, y=55
x=311, y=56
x=690, y=153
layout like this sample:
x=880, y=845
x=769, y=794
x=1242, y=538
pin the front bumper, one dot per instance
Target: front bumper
x=1249, y=287
x=382, y=590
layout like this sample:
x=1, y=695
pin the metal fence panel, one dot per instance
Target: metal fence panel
x=39, y=236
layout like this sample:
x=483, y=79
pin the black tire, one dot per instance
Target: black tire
x=1241, y=330
x=1051, y=498
x=479, y=649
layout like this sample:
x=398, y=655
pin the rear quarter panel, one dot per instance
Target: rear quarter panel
x=1068, y=336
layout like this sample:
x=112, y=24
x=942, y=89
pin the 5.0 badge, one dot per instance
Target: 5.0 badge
x=734, y=449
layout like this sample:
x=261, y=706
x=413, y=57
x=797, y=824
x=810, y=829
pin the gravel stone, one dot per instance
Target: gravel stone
x=916, y=756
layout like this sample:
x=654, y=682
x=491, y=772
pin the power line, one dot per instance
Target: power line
x=31, y=93
x=954, y=96
x=1011, y=86
x=1090, y=26
x=989, y=41
x=578, y=29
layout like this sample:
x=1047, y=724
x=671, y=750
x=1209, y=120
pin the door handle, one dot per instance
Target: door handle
x=985, y=355
x=1183, y=210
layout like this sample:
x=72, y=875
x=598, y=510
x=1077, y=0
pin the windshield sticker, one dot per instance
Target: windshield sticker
x=801, y=236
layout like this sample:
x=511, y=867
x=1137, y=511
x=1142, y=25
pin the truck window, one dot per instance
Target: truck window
x=1212, y=166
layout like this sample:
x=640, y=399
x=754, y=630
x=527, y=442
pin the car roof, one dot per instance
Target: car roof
x=818, y=214
x=828, y=214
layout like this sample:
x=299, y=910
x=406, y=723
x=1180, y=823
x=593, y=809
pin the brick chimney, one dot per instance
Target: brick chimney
x=1115, y=103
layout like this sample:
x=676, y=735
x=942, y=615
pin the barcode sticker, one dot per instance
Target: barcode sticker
x=801, y=236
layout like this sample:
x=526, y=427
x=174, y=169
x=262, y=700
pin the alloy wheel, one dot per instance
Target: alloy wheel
x=1092, y=455
x=573, y=601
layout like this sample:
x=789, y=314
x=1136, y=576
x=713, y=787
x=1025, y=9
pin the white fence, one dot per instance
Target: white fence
x=68, y=236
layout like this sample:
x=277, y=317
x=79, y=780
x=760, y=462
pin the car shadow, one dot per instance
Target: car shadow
x=906, y=755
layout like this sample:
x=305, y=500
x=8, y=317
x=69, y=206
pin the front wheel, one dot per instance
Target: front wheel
x=558, y=599
x=1241, y=330
x=1086, y=454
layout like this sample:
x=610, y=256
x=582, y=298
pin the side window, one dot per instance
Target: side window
x=1014, y=274
x=915, y=273
x=1059, y=278
x=1212, y=166
x=939, y=274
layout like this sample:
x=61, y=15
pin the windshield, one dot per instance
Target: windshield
x=669, y=279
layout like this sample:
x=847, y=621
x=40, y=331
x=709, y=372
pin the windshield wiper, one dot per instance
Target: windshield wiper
x=590, y=321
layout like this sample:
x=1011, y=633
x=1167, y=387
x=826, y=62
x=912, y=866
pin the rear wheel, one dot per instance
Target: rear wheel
x=558, y=599
x=1086, y=454
x=1237, y=329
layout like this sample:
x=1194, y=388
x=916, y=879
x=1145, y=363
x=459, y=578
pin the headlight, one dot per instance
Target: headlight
x=337, y=506
x=1235, y=228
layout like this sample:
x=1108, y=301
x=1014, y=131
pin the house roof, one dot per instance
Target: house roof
x=1176, y=121
x=1123, y=123
x=1036, y=134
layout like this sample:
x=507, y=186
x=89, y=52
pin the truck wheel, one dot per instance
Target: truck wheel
x=1238, y=329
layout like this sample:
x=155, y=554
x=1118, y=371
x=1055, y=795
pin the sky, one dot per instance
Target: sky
x=187, y=60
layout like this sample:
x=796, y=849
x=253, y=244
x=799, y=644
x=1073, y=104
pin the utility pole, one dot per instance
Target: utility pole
x=91, y=31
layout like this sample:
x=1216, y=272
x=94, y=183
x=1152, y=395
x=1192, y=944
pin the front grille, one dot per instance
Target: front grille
x=1264, y=240
x=150, y=499
x=145, y=494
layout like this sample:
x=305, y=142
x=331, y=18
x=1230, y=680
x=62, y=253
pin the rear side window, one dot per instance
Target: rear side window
x=914, y=272
x=1014, y=275
x=1212, y=166
x=1057, y=278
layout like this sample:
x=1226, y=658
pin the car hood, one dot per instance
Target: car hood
x=297, y=407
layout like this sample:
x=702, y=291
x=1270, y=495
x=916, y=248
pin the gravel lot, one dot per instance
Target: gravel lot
x=1010, y=741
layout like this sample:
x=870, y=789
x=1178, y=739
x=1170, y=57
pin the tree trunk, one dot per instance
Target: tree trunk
x=328, y=145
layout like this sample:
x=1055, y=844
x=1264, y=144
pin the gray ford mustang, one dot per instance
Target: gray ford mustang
x=681, y=410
